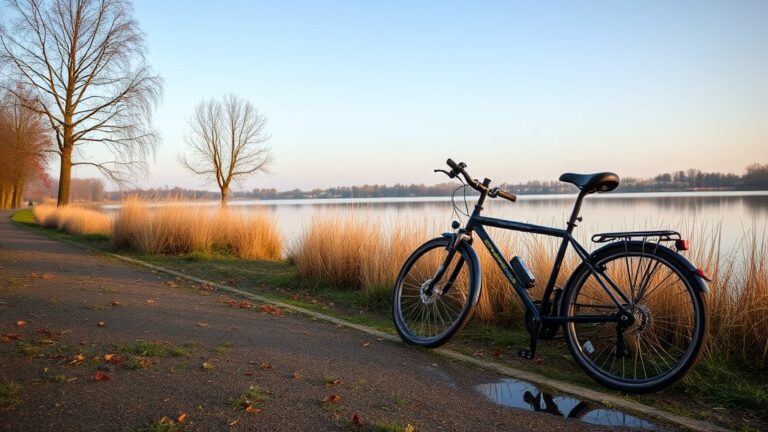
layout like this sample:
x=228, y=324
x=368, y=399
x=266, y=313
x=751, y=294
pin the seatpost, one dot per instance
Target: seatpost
x=575, y=214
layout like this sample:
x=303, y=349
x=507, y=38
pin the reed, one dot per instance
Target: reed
x=73, y=220
x=177, y=229
x=347, y=252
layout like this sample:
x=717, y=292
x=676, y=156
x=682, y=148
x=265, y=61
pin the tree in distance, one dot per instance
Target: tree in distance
x=24, y=140
x=227, y=142
x=82, y=62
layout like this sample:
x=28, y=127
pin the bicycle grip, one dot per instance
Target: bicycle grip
x=508, y=196
x=454, y=166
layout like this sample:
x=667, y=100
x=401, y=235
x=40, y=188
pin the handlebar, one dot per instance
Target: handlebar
x=458, y=168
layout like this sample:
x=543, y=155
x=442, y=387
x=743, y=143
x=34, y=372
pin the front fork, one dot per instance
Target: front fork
x=452, y=248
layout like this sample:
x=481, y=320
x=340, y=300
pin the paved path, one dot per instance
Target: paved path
x=75, y=302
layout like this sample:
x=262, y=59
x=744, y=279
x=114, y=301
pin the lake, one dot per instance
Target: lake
x=736, y=214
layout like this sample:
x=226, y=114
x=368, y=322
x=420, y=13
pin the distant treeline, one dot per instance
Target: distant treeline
x=755, y=178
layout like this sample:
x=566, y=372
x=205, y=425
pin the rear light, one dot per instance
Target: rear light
x=700, y=273
x=682, y=245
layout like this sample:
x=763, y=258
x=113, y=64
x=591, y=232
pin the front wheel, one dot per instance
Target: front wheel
x=660, y=338
x=428, y=312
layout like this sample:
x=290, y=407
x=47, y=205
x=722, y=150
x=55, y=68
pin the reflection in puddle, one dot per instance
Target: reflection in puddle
x=520, y=394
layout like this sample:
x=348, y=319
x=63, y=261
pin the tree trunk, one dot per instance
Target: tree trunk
x=65, y=176
x=3, y=194
x=17, y=192
x=224, y=193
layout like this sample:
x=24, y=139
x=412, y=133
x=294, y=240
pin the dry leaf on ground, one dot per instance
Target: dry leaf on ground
x=334, y=398
x=250, y=409
x=102, y=377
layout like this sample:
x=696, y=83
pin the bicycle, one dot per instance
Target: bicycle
x=632, y=312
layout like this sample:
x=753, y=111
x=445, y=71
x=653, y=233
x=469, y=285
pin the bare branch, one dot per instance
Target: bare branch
x=226, y=142
x=83, y=64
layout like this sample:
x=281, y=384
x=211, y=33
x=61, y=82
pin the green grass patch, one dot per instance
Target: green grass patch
x=9, y=394
x=720, y=382
x=222, y=347
x=330, y=407
x=253, y=396
x=27, y=349
x=152, y=349
x=163, y=425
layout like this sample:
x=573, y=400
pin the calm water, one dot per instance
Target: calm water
x=735, y=213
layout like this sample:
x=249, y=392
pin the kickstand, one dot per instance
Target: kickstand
x=530, y=353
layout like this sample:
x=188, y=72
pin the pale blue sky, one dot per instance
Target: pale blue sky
x=383, y=92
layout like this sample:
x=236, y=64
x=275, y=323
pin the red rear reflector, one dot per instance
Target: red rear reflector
x=682, y=245
x=700, y=273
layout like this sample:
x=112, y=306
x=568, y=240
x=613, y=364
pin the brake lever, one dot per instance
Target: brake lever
x=451, y=175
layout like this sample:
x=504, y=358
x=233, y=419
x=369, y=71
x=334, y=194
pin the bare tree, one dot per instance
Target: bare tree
x=83, y=62
x=227, y=142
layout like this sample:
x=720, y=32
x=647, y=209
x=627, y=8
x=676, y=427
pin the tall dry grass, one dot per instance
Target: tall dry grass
x=72, y=219
x=175, y=229
x=348, y=252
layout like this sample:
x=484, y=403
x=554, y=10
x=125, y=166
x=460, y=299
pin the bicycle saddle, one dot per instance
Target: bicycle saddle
x=599, y=182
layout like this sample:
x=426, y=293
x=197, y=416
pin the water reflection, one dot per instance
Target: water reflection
x=520, y=394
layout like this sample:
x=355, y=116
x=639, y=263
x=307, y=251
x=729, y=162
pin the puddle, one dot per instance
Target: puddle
x=520, y=394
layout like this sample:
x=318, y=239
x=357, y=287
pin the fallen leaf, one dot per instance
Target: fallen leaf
x=233, y=423
x=108, y=357
x=266, y=365
x=101, y=377
x=207, y=366
x=21, y=323
x=409, y=428
x=182, y=418
x=202, y=324
x=334, y=398
x=297, y=375
x=333, y=383
x=539, y=361
x=366, y=344
x=498, y=354
x=246, y=305
x=77, y=359
x=115, y=303
x=7, y=337
x=272, y=310
x=150, y=301
x=250, y=409
x=357, y=420
x=101, y=324
x=248, y=373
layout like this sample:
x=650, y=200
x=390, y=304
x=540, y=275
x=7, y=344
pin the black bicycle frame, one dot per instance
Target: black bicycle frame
x=476, y=223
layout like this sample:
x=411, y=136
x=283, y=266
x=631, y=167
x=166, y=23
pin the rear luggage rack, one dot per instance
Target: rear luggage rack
x=659, y=236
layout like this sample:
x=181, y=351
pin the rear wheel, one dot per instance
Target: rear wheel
x=662, y=336
x=430, y=317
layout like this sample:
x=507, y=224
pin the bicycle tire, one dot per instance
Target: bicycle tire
x=457, y=303
x=669, y=320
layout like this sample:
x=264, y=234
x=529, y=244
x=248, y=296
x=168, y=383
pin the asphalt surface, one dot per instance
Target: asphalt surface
x=79, y=303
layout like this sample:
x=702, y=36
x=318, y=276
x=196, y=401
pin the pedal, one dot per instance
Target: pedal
x=524, y=353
